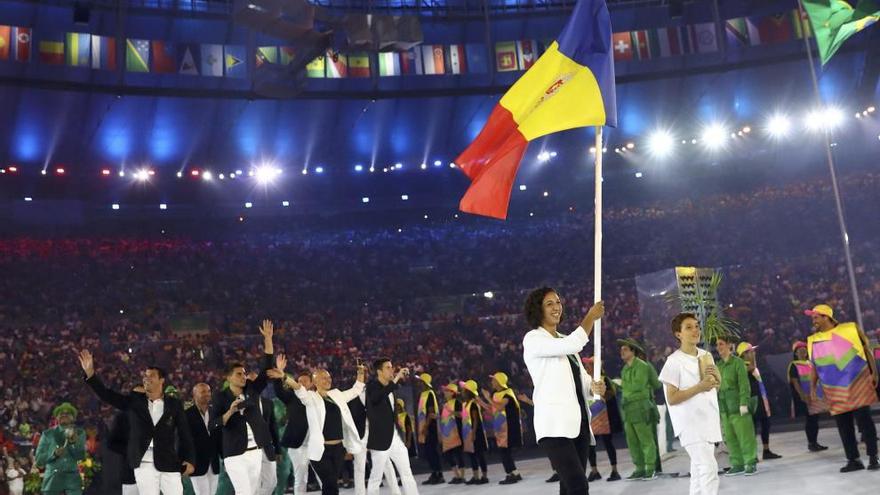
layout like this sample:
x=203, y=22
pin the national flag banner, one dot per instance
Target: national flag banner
x=212, y=60
x=22, y=39
x=163, y=56
x=51, y=49
x=526, y=53
x=137, y=55
x=103, y=52
x=234, y=61
x=457, y=59
x=835, y=21
x=189, y=59
x=704, y=37
x=77, y=49
x=315, y=68
x=5, y=37
x=266, y=55
x=800, y=24
x=286, y=54
x=477, y=57
x=622, y=45
x=417, y=60
x=645, y=44
x=672, y=43
x=389, y=64
x=337, y=65
x=505, y=56
x=359, y=64
x=433, y=59
x=571, y=85
x=771, y=29
x=736, y=32
x=408, y=62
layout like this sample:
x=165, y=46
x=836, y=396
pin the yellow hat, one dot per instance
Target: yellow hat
x=822, y=309
x=425, y=378
x=501, y=378
x=471, y=385
x=453, y=387
x=744, y=347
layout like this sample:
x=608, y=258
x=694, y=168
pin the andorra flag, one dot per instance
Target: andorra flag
x=571, y=85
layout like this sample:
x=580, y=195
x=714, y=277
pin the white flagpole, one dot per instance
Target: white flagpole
x=597, y=259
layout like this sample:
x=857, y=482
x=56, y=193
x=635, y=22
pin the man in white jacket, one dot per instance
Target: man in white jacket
x=562, y=387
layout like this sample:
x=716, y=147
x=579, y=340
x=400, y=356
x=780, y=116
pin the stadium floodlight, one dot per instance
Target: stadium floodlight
x=543, y=156
x=142, y=175
x=285, y=203
x=824, y=119
x=522, y=187
x=319, y=170
x=404, y=197
x=163, y=206
x=114, y=206
x=638, y=175
x=358, y=168
x=266, y=174
x=207, y=175
x=365, y=200
x=248, y=205
x=778, y=126
x=488, y=294
x=713, y=136
x=661, y=143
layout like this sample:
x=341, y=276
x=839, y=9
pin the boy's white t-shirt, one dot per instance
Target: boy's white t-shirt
x=696, y=419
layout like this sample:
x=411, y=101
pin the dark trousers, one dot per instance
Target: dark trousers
x=846, y=428
x=568, y=456
x=507, y=459
x=609, y=449
x=430, y=450
x=812, y=428
x=762, y=422
x=329, y=468
x=454, y=457
x=478, y=461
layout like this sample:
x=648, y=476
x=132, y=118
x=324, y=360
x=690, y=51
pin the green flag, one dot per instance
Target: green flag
x=834, y=21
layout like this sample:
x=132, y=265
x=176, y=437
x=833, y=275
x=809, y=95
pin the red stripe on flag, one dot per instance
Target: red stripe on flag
x=491, y=162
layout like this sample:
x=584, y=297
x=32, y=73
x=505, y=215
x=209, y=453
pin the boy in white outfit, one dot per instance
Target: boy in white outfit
x=693, y=403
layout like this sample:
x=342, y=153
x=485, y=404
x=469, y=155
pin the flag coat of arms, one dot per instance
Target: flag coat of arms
x=212, y=60
x=571, y=85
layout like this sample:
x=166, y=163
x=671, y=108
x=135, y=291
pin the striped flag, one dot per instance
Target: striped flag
x=164, y=57
x=51, y=50
x=189, y=60
x=389, y=64
x=505, y=56
x=103, y=52
x=359, y=64
x=22, y=39
x=645, y=44
x=457, y=59
x=233, y=61
x=337, y=65
x=526, y=53
x=622, y=44
x=315, y=68
x=137, y=55
x=433, y=59
x=78, y=46
x=212, y=60
x=417, y=60
x=409, y=64
x=5, y=37
x=267, y=55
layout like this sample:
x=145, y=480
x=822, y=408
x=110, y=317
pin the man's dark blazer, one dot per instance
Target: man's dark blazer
x=207, y=442
x=234, y=432
x=380, y=415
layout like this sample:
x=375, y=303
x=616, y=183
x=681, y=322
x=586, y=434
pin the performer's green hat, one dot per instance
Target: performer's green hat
x=64, y=408
x=631, y=343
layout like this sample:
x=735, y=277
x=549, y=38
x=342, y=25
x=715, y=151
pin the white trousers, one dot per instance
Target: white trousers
x=244, y=471
x=205, y=484
x=360, y=472
x=268, y=476
x=299, y=458
x=129, y=490
x=399, y=456
x=151, y=482
x=704, y=468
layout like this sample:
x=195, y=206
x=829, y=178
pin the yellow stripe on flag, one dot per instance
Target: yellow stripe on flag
x=554, y=95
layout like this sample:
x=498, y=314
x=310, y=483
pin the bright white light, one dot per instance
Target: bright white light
x=372, y=169
x=714, y=136
x=438, y=163
x=365, y=200
x=163, y=206
x=42, y=172
x=114, y=206
x=358, y=168
x=488, y=295
x=522, y=187
x=207, y=175
x=826, y=119
x=319, y=170
x=142, y=175
x=661, y=143
x=451, y=165
x=398, y=166
x=305, y=171
x=531, y=213
x=543, y=156
x=593, y=150
x=285, y=203
x=424, y=166
x=266, y=174
x=778, y=126
x=638, y=175
x=221, y=176
x=179, y=174
x=426, y=217
x=404, y=197
x=238, y=172
x=630, y=146
x=546, y=193
x=28, y=198
x=552, y=154
x=248, y=205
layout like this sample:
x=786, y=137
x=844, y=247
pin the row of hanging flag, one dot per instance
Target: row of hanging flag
x=216, y=60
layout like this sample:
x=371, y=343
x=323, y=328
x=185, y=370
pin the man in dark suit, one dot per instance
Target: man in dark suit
x=296, y=430
x=384, y=443
x=236, y=412
x=160, y=446
x=207, y=442
x=269, y=468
